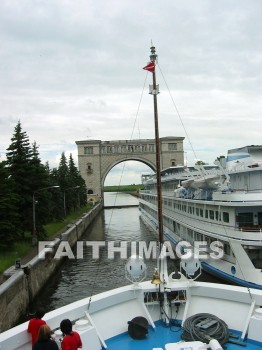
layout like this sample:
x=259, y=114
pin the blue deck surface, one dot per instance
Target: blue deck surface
x=159, y=337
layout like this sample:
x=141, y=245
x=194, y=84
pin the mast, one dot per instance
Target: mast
x=161, y=278
x=154, y=90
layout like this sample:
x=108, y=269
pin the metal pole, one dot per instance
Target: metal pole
x=153, y=58
x=34, y=235
x=34, y=227
x=64, y=205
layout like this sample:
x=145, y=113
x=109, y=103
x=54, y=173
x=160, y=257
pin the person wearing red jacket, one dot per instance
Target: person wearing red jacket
x=35, y=323
x=71, y=340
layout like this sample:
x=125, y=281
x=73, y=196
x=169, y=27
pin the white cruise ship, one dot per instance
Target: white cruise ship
x=214, y=203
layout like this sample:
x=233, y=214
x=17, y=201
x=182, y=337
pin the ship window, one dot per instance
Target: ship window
x=198, y=237
x=245, y=219
x=226, y=249
x=259, y=218
x=225, y=216
x=211, y=214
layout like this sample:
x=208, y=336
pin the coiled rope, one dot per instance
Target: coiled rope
x=194, y=332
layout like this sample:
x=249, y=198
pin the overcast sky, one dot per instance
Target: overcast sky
x=72, y=70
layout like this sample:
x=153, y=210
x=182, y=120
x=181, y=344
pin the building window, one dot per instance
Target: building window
x=172, y=146
x=89, y=169
x=90, y=192
x=151, y=148
x=88, y=150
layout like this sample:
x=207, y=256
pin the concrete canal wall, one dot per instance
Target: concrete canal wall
x=26, y=282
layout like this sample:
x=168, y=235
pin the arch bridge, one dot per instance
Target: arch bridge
x=96, y=158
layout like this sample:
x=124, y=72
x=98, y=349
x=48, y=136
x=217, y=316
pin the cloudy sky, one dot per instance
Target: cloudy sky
x=72, y=70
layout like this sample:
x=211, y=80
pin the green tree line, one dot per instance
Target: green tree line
x=31, y=192
x=123, y=188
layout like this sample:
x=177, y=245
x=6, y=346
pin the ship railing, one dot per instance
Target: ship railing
x=255, y=228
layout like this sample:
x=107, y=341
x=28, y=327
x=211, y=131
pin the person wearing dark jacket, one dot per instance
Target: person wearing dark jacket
x=44, y=340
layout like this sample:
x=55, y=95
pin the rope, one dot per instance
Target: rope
x=193, y=331
x=176, y=109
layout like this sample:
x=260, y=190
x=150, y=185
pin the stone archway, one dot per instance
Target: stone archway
x=106, y=172
x=96, y=158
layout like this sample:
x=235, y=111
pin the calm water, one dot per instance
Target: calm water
x=81, y=278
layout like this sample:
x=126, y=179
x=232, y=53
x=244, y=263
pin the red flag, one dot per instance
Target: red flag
x=150, y=67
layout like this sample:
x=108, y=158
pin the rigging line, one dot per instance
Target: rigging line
x=110, y=219
x=126, y=154
x=179, y=116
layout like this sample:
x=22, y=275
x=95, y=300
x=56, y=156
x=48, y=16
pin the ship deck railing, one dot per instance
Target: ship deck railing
x=253, y=228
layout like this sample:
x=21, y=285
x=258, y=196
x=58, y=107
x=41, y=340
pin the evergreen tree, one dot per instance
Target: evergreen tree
x=19, y=155
x=63, y=172
x=42, y=192
x=64, y=182
x=57, y=204
x=77, y=181
x=9, y=216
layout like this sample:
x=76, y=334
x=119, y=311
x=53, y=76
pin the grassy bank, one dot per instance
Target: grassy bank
x=22, y=248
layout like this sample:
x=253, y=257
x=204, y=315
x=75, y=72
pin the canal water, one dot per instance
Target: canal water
x=82, y=277
x=85, y=276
